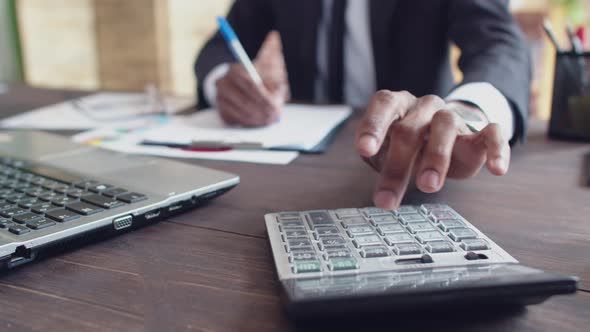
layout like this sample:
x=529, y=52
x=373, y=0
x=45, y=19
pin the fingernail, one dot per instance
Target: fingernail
x=430, y=179
x=500, y=163
x=369, y=143
x=385, y=199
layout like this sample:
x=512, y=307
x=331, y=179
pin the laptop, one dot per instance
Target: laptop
x=54, y=192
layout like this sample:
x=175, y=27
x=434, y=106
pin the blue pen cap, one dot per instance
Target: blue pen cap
x=226, y=30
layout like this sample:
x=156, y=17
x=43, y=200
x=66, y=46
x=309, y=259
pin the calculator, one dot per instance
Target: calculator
x=371, y=260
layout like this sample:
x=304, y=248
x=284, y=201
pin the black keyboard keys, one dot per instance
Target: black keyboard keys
x=114, y=192
x=62, y=215
x=26, y=217
x=18, y=229
x=97, y=188
x=12, y=212
x=43, y=207
x=63, y=200
x=5, y=223
x=40, y=223
x=132, y=197
x=102, y=201
x=83, y=208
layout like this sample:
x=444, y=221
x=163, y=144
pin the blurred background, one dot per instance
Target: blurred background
x=126, y=44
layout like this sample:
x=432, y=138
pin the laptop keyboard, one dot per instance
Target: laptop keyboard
x=35, y=197
x=372, y=240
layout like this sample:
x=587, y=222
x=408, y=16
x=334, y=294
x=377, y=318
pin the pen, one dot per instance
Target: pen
x=207, y=146
x=237, y=49
x=549, y=31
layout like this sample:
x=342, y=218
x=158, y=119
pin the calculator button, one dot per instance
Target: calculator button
x=332, y=241
x=439, y=247
x=394, y=238
x=374, y=251
x=407, y=249
x=390, y=228
x=373, y=211
x=458, y=234
x=298, y=243
x=295, y=234
x=289, y=215
x=376, y=220
x=330, y=247
x=353, y=221
x=340, y=253
x=298, y=249
x=420, y=226
x=319, y=219
x=306, y=266
x=441, y=215
x=474, y=244
x=341, y=213
x=405, y=209
x=412, y=217
x=292, y=223
x=431, y=207
x=366, y=240
x=427, y=236
x=357, y=230
x=303, y=256
x=339, y=264
x=326, y=231
x=447, y=225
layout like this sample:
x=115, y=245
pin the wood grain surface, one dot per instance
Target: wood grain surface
x=212, y=270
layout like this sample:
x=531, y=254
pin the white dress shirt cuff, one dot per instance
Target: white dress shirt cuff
x=490, y=101
x=209, y=87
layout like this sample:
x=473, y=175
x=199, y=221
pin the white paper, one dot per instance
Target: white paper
x=94, y=111
x=126, y=139
x=300, y=127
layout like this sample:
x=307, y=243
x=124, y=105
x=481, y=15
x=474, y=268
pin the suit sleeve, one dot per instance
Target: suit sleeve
x=252, y=20
x=493, y=50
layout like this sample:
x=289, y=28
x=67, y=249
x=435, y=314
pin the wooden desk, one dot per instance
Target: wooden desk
x=211, y=269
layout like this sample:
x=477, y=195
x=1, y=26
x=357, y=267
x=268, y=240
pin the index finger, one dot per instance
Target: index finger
x=385, y=108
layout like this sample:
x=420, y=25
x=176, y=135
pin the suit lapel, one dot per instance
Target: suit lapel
x=381, y=14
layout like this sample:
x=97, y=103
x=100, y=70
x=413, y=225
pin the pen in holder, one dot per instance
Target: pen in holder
x=570, y=109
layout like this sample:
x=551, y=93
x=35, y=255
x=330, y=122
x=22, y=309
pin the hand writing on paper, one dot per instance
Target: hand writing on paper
x=402, y=135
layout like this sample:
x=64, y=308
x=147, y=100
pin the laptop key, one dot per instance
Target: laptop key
x=62, y=215
x=86, y=183
x=43, y=207
x=27, y=203
x=18, y=229
x=26, y=217
x=63, y=200
x=48, y=197
x=5, y=223
x=84, y=208
x=132, y=197
x=97, y=188
x=114, y=192
x=6, y=206
x=102, y=201
x=40, y=224
x=12, y=212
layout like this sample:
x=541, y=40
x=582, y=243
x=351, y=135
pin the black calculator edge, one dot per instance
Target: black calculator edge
x=28, y=255
x=517, y=293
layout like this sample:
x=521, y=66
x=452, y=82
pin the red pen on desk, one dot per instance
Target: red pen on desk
x=584, y=35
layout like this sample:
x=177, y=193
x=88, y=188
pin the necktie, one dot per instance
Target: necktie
x=335, y=52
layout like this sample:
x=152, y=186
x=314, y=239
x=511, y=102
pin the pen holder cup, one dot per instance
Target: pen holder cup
x=570, y=109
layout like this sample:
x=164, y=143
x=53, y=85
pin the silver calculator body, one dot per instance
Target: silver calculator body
x=368, y=259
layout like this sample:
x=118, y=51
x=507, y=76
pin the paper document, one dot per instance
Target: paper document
x=126, y=139
x=301, y=127
x=97, y=110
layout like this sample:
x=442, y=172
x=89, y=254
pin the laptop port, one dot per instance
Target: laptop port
x=123, y=222
x=175, y=207
x=152, y=214
x=21, y=256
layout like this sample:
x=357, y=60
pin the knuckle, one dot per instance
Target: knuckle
x=404, y=133
x=373, y=124
x=433, y=100
x=384, y=97
x=446, y=118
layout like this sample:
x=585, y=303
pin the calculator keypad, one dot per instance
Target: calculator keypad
x=341, y=240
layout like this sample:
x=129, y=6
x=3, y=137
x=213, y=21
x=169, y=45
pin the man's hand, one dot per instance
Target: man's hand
x=402, y=135
x=241, y=101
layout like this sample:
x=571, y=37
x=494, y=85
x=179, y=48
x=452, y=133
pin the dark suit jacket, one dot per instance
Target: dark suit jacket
x=410, y=45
